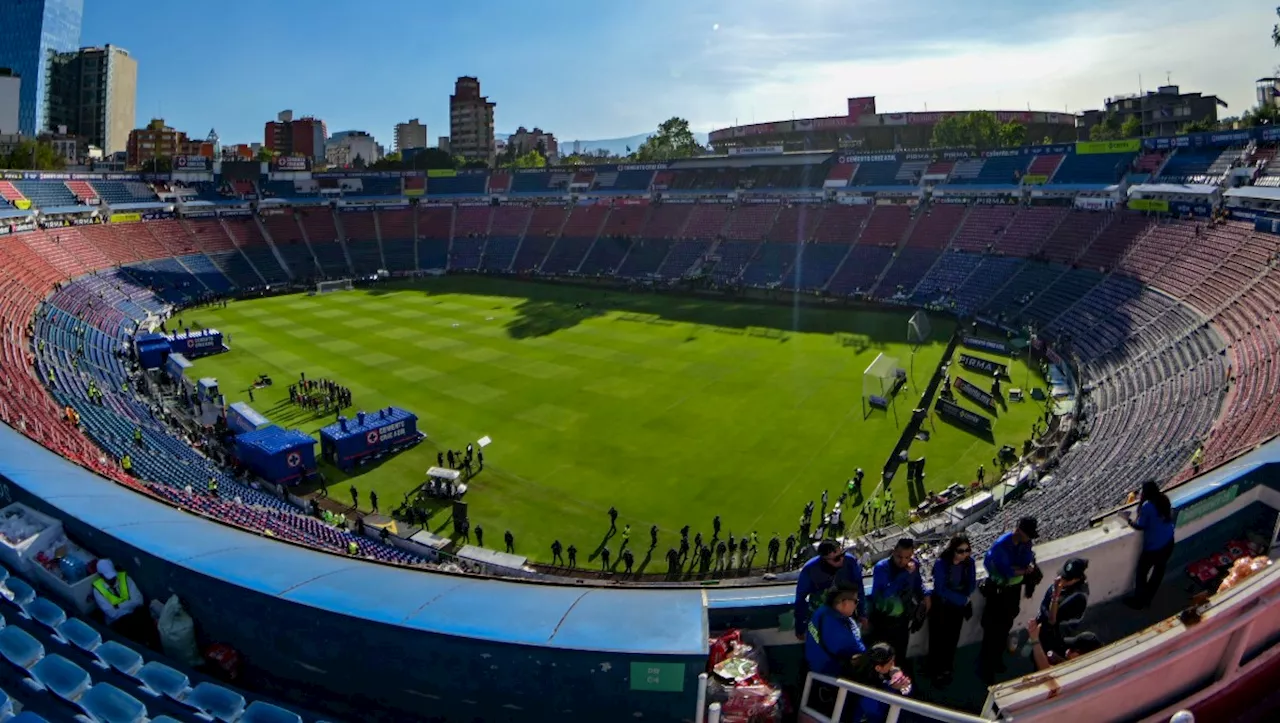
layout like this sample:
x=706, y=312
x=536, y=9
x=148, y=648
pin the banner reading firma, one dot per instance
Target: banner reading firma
x=1131, y=145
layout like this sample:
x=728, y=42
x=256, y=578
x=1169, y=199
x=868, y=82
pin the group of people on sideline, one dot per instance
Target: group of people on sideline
x=862, y=636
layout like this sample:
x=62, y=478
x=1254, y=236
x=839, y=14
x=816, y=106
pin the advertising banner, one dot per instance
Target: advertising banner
x=292, y=163
x=196, y=343
x=755, y=151
x=192, y=163
x=953, y=412
x=1130, y=145
x=991, y=345
x=441, y=173
x=985, y=366
x=974, y=393
x=126, y=217
x=1159, y=205
x=859, y=107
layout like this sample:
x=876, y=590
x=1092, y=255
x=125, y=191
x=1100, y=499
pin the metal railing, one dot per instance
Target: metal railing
x=896, y=703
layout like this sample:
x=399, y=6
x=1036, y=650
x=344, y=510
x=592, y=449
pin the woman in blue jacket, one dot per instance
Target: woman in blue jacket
x=1155, y=519
x=955, y=577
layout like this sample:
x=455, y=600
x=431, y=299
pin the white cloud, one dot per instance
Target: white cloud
x=761, y=73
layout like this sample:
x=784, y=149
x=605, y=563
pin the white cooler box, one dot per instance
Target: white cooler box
x=21, y=528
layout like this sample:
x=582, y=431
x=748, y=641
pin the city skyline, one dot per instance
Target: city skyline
x=621, y=69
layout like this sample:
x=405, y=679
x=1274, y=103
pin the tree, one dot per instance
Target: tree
x=979, y=130
x=31, y=155
x=265, y=155
x=673, y=139
x=358, y=162
x=1013, y=134
x=1275, y=32
x=431, y=158
x=159, y=164
x=1201, y=126
x=1108, y=130
x=1132, y=127
x=532, y=159
x=1266, y=115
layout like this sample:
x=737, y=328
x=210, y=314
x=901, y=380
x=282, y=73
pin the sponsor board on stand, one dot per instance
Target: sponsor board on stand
x=986, y=366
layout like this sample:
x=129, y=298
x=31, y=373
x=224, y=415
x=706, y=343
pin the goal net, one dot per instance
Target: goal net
x=325, y=287
x=879, y=381
x=918, y=328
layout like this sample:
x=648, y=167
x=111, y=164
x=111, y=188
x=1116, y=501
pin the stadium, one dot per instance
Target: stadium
x=717, y=343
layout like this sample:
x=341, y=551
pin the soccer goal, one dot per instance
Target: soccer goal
x=918, y=329
x=325, y=287
x=879, y=382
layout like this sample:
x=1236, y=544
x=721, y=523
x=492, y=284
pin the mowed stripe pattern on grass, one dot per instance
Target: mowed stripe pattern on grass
x=673, y=410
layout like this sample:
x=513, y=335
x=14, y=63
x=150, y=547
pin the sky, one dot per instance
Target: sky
x=588, y=70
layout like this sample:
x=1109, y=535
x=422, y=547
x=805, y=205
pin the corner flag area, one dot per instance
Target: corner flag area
x=671, y=409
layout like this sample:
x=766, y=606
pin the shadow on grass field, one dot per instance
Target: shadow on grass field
x=672, y=409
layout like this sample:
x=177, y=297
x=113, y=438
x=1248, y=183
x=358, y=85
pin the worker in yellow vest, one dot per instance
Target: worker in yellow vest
x=352, y=548
x=117, y=596
x=126, y=464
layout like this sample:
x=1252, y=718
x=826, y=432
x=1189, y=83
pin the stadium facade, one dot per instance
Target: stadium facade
x=864, y=129
x=1164, y=310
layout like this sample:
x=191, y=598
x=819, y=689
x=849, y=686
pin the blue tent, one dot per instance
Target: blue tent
x=282, y=456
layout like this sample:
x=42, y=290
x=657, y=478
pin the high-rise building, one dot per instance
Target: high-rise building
x=10, y=99
x=94, y=93
x=158, y=139
x=345, y=147
x=471, y=121
x=411, y=135
x=289, y=136
x=30, y=31
x=525, y=140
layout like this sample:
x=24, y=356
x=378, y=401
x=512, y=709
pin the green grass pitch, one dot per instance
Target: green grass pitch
x=672, y=409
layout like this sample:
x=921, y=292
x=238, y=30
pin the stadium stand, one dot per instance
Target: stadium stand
x=860, y=269
x=84, y=192
x=663, y=221
x=747, y=223
x=909, y=266
x=982, y=227
x=1029, y=230
x=396, y=231
x=1045, y=166
x=470, y=184
x=876, y=173
x=705, y=222
x=247, y=235
x=540, y=235
x=116, y=192
x=815, y=263
x=1092, y=169
x=795, y=223
x=47, y=195
x=1004, y=170
x=1073, y=236
x=841, y=224
x=643, y=258
x=936, y=227
x=359, y=230
x=630, y=180
x=886, y=226
x=770, y=264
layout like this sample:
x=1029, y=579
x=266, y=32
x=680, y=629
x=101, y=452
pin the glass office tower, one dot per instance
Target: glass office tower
x=30, y=32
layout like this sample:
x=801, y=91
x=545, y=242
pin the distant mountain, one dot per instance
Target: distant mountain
x=614, y=146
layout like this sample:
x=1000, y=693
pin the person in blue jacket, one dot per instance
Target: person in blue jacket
x=832, y=567
x=897, y=595
x=955, y=577
x=1009, y=560
x=832, y=641
x=1155, y=520
x=832, y=636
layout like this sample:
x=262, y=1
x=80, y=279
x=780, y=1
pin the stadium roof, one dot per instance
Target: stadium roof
x=1256, y=193
x=1194, y=189
x=666, y=622
x=14, y=213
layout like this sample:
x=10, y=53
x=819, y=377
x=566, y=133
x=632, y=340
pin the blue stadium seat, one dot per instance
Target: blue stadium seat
x=62, y=677
x=45, y=612
x=259, y=712
x=75, y=631
x=120, y=657
x=19, y=593
x=880, y=173
x=105, y=703
x=215, y=701
x=28, y=717
x=159, y=679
